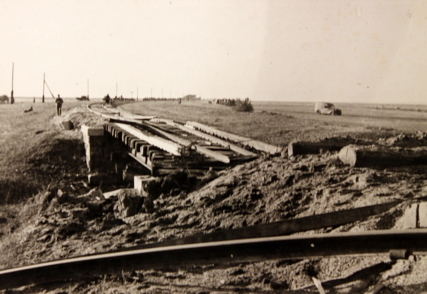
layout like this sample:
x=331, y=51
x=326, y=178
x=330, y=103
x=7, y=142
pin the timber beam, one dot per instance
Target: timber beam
x=206, y=136
x=257, y=145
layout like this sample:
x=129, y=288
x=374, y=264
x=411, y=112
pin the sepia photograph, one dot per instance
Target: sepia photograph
x=213, y=146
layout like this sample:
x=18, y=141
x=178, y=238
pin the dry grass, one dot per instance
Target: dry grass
x=30, y=149
x=35, y=156
x=280, y=123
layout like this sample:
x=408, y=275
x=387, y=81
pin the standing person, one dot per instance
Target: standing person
x=59, y=102
x=107, y=99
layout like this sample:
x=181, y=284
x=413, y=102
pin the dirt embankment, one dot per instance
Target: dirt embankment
x=70, y=222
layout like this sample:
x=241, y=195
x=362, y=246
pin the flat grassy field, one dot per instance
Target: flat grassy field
x=282, y=122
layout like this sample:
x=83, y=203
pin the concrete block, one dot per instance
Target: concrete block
x=422, y=214
x=96, y=179
x=92, y=131
x=410, y=217
x=67, y=125
x=93, y=138
x=139, y=182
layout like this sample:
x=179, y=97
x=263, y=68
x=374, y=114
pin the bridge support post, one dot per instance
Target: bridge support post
x=93, y=138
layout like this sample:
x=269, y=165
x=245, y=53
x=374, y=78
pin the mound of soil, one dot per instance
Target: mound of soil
x=78, y=116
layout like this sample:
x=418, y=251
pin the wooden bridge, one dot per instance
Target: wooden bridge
x=163, y=146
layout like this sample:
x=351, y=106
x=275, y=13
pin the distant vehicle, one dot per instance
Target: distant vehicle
x=4, y=99
x=83, y=98
x=326, y=108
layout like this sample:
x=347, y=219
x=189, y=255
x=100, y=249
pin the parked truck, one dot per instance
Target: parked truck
x=326, y=108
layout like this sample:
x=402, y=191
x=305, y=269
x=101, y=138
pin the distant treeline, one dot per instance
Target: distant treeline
x=160, y=99
x=401, y=108
x=237, y=104
x=226, y=102
x=185, y=98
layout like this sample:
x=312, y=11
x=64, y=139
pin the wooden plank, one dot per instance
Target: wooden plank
x=208, y=137
x=132, y=142
x=144, y=150
x=199, y=149
x=258, y=145
x=139, y=143
x=285, y=227
x=157, y=141
x=142, y=160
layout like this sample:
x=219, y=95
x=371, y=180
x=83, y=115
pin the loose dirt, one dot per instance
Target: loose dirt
x=71, y=219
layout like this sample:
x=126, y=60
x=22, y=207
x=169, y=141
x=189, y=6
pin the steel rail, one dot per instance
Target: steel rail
x=200, y=149
x=122, y=116
x=225, y=252
x=206, y=136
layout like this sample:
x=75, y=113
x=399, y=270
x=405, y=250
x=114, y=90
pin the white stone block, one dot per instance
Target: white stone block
x=139, y=182
x=410, y=217
x=422, y=214
x=92, y=131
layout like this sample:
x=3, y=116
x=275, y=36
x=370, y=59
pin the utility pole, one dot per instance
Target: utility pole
x=131, y=92
x=12, y=100
x=44, y=82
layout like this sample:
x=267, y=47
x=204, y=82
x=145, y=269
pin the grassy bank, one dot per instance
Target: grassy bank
x=33, y=151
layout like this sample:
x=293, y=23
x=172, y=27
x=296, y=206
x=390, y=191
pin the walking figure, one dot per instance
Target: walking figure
x=59, y=102
x=107, y=99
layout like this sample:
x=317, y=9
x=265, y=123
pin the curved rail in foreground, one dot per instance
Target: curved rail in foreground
x=233, y=251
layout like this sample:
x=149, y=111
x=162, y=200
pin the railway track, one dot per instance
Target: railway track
x=398, y=244
x=163, y=146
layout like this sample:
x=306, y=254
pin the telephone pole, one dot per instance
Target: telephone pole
x=12, y=100
x=44, y=82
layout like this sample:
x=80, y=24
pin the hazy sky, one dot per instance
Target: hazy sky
x=287, y=50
